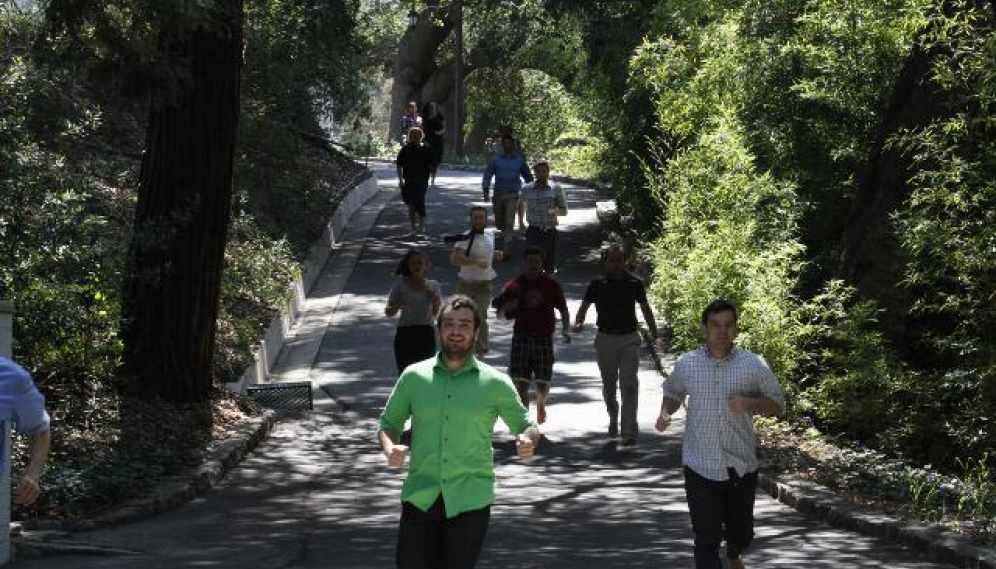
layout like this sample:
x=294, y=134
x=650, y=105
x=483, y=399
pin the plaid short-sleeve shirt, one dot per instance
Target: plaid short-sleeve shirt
x=716, y=438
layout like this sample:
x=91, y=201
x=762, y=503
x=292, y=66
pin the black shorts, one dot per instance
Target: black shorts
x=532, y=357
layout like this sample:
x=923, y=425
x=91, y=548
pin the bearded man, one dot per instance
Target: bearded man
x=453, y=402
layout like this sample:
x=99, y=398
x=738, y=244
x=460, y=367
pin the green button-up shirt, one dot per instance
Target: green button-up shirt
x=453, y=416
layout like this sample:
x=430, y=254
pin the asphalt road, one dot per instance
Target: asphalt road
x=318, y=493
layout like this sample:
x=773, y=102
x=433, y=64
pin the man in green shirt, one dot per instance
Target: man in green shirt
x=453, y=402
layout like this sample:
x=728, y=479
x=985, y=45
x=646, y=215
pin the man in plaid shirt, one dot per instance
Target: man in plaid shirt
x=725, y=387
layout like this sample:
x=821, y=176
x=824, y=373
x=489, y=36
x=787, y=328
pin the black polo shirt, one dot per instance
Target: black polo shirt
x=615, y=299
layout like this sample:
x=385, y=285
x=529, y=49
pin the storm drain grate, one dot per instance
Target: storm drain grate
x=292, y=396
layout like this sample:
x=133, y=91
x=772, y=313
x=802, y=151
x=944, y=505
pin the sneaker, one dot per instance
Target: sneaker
x=628, y=441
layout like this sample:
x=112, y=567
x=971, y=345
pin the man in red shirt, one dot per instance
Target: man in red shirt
x=531, y=298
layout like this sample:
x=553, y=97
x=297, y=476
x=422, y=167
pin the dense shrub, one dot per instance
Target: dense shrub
x=729, y=234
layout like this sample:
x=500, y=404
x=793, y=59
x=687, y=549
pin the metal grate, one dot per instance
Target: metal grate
x=292, y=396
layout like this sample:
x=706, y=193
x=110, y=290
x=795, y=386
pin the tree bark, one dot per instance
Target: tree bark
x=172, y=286
x=870, y=258
x=417, y=76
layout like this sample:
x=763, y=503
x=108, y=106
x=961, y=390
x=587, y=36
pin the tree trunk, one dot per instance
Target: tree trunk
x=171, y=292
x=417, y=76
x=870, y=257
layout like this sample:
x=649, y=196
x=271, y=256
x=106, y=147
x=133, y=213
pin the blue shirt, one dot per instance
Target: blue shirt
x=20, y=400
x=506, y=171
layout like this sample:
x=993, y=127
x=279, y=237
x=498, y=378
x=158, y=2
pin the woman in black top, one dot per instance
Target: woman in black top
x=434, y=126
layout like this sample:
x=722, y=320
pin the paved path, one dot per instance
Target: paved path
x=318, y=494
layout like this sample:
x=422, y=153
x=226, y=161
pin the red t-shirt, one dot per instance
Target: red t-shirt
x=537, y=300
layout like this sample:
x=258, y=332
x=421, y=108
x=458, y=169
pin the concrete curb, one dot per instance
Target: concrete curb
x=46, y=537
x=938, y=543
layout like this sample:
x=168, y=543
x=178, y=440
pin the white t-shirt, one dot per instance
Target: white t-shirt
x=483, y=248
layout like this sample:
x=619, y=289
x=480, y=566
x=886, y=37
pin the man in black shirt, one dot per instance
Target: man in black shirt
x=414, y=168
x=617, y=344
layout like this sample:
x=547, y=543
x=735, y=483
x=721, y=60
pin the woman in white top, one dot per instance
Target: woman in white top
x=418, y=300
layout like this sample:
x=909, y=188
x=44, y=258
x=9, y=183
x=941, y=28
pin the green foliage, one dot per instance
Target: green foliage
x=729, y=234
x=74, y=86
x=534, y=104
x=947, y=228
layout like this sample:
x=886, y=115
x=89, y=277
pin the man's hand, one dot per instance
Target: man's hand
x=740, y=404
x=396, y=455
x=524, y=446
x=27, y=491
x=662, y=422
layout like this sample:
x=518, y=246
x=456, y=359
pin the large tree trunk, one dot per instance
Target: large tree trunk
x=175, y=264
x=870, y=257
x=417, y=76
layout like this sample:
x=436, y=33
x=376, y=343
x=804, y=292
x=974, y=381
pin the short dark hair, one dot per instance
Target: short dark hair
x=717, y=306
x=459, y=302
x=534, y=250
x=474, y=208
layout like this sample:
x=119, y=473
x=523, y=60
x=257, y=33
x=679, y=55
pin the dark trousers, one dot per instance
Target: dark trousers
x=430, y=540
x=720, y=510
x=545, y=239
x=413, y=194
x=413, y=344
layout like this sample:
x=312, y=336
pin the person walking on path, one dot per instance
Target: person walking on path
x=474, y=252
x=414, y=169
x=21, y=401
x=508, y=170
x=543, y=203
x=617, y=344
x=453, y=402
x=418, y=300
x=725, y=387
x=434, y=125
x=409, y=120
x=531, y=299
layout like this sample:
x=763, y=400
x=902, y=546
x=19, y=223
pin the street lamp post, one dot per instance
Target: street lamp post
x=458, y=79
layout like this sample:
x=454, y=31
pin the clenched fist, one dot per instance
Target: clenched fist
x=524, y=446
x=396, y=455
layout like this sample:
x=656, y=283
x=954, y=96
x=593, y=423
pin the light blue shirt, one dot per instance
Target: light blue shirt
x=508, y=173
x=20, y=400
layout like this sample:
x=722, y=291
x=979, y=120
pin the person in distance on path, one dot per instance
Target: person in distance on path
x=418, y=299
x=414, y=168
x=453, y=402
x=508, y=170
x=617, y=344
x=474, y=252
x=531, y=299
x=725, y=387
x=543, y=203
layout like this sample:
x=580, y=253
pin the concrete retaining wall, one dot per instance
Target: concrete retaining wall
x=277, y=332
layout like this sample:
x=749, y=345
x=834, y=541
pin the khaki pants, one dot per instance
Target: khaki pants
x=618, y=358
x=504, y=205
x=480, y=293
